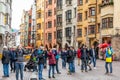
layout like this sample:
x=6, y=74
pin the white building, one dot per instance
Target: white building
x=5, y=22
x=69, y=22
x=33, y=27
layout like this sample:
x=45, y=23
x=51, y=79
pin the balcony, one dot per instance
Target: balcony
x=105, y=3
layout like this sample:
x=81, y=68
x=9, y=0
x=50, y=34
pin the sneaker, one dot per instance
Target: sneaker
x=106, y=73
x=90, y=69
x=94, y=68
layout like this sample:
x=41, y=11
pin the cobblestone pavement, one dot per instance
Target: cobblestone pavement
x=98, y=74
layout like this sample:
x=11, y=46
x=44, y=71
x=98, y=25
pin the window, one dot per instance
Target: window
x=79, y=17
x=86, y=1
x=59, y=4
x=49, y=36
x=39, y=15
x=68, y=16
x=38, y=26
x=74, y=12
x=91, y=29
x=86, y=15
x=49, y=12
x=80, y=2
x=59, y=20
x=54, y=34
x=107, y=22
x=68, y=32
x=49, y=2
x=68, y=2
x=79, y=32
x=54, y=23
x=54, y=11
x=38, y=37
x=59, y=34
x=49, y=24
x=92, y=11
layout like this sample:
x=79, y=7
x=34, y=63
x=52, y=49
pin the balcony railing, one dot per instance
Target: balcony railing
x=107, y=3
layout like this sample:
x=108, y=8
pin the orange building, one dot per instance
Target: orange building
x=50, y=23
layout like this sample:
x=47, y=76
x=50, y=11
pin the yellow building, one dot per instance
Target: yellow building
x=39, y=22
x=22, y=34
x=88, y=22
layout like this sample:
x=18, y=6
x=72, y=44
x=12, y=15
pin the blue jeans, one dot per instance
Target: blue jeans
x=19, y=67
x=6, y=69
x=63, y=63
x=51, y=68
x=84, y=64
x=71, y=67
x=40, y=70
x=93, y=59
x=106, y=67
x=57, y=65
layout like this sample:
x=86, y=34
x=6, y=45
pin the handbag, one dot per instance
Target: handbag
x=109, y=59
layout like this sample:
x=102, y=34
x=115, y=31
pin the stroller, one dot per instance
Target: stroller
x=31, y=65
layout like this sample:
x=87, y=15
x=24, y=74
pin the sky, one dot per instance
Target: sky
x=17, y=9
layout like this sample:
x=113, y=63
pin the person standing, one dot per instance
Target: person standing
x=45, y=57
x=56, y=54
x=93, y=56
x=79, y=55
x=5, y=61
x=40, y=63
x=52, y=62
x=108, y=54
x=19, y=62
x=63, y=57
x=84, y=57
x=70, y=59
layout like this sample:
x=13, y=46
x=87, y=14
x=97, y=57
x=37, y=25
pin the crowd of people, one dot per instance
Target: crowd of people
x=39, y=57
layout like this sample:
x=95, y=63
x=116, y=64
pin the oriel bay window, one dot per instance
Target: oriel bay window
x=68, y=16
x=80, y=2
x=107, y=22
x=68, y=32
x=39, y=26
x=91, y=29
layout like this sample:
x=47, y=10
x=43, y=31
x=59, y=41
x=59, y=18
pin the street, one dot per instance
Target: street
x=98, y=74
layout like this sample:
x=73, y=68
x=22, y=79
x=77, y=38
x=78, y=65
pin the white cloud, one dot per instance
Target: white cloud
x=17, y=9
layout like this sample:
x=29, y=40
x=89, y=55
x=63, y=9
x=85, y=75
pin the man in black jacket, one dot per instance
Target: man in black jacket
x=40, y=63
x=5, y=61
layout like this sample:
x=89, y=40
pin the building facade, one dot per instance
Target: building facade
x=50, y=23
x=39, y=22
x=110, y=21
x=69, y=22
x=5, y=22
x=33, y=25
x=88, y=22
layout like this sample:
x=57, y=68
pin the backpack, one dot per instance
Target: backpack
x=40, y=51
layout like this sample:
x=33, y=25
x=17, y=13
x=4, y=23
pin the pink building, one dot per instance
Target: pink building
x=50, y=23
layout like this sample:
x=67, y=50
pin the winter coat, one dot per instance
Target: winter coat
x=5, y=57
x=40, y=57
x=70, y=56
x=84, y=53
x=19, y=56
x=51, y=58
x=64, y=55
x=12, y=55
x=79, y=53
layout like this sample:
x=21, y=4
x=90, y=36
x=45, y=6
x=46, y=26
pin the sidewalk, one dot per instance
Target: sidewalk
x=97, y=74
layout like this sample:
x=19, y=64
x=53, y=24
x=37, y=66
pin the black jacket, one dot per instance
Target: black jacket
x=91, y=52
x=84, y=54
x=5, y=57
x=41, y=58
x=70, y=56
